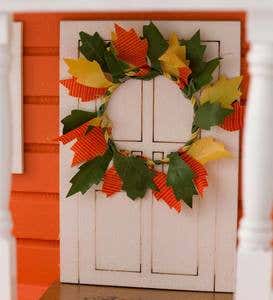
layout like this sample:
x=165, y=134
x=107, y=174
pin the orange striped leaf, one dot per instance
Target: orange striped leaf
x=165, y=192
x=89, y=146
x=112, y=183
x=73, y=134
x=81, y=91
x=130, y=48
x=235, y=120
x=184, y=73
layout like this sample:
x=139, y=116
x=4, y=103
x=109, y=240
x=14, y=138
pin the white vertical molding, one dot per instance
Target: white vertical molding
x=254, y=273
x=7, y=245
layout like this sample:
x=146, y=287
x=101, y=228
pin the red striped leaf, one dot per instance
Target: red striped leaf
x=81, y=91
x=130, y=48
x=112, y=183
x=165, y=192
x=235, y=120
x=89, y=146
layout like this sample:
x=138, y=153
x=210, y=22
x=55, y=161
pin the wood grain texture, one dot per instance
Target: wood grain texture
x=41, y=44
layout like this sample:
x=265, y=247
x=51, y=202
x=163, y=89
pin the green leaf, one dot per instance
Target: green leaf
x=135, y=175
x=76, y=119
x=90, y=173
x=157, y=44
x=116, y=67
x=210, y=114
x=93, y=47
x=205, y=76
x=180, y=178
x=195, y=52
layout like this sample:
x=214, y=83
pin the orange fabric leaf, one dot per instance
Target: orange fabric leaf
x=89, y=146
x=184, y=73
x=200, y=173
x=85, y=93
x=235, y=120
x=130, y=48
x=111, y=182
x=165, y=192
x=73, y=134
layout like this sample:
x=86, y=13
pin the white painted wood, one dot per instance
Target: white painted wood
x=120, y=5
x=16, y=97
x=7, y=245
x=90, y=226
x=254, y=274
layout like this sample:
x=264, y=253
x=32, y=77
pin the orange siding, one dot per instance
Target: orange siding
x=34, y=200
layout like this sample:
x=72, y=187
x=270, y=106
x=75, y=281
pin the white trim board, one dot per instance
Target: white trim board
x=16, y=96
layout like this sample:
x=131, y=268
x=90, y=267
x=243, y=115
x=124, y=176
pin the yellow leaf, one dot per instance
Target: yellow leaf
x=207, y=149
x=224, y=91
x=174, y=57
x=87, y=72
x=102, y=121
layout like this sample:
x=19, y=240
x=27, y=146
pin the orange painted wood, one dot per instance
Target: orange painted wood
x=38, y=261
x=41, y=174
x=35, y=215
x=41, y=76
x=30, y=292
x=41, y=123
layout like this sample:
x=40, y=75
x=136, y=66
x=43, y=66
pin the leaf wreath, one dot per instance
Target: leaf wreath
x=102, y=68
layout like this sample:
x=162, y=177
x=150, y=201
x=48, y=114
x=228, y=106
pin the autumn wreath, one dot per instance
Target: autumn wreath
x=102, y=68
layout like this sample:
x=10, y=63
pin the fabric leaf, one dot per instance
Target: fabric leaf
x=81, y=91
x=157, y=44
x=89, y=146
x=235, y=120
x=111, y=182
x=74, y=134
x=93, y=47
x=165, y=192
x=115, y=66
x=224, y=91
x=200, y=173
x=207, y=149
x=180, y=178
x=174, y=57
x=195, y=52
x=76, y=119
x=184, y=73
x=135, y=175
x=210, y=114
x=130, y=47
x=88, y=73
x=90, y=173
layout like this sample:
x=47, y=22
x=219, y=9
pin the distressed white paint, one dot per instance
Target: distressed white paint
x=16, y=97
x=254, y=276
x=96, y=246
x=7, y=245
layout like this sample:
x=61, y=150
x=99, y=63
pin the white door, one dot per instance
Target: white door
x=142, y=243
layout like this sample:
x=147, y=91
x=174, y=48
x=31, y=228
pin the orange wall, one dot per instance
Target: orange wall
x=35, y=197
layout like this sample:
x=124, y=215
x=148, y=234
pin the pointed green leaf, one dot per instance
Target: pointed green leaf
x=116, y=67
x=180, y=178
x=135, y=175
x=90, y=173
x=93, y=47
x=76, y=119
x=157, y=44
x=210, y=114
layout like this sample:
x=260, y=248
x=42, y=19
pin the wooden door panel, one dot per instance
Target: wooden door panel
x=118, y=233
x=125, y=111
x=142, y=243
